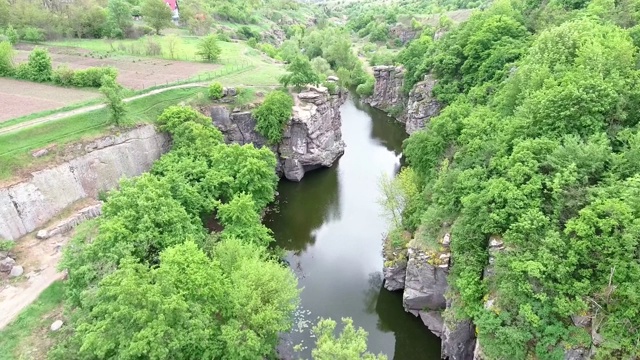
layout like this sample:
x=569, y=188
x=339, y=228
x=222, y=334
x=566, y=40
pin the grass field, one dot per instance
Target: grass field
x=15, y=148
x=16, y=339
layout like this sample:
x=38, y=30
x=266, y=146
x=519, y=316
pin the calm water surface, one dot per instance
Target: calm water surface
x=332, y=226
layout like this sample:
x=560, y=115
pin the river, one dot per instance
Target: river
x=332, y=226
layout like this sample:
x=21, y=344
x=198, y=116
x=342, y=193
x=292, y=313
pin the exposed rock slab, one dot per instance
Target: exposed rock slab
x=70, y=223
x=394, y=276
x=458, y=340
x=30, y=204
x=433, y=321
x=425, y=284
x=421, y=105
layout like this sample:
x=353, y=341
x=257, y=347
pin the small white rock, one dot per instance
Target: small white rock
x=42, y=234
x=56, y=325
x=16, y=271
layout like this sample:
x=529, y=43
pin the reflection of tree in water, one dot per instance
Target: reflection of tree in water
x=309, y=204
x=413, y=340
x=389, y=132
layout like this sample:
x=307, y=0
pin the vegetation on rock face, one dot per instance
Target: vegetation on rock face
x=273, y=114
x=538, y=145
x=151, y=281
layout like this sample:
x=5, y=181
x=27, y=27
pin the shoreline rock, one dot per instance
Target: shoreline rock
x=311, y=139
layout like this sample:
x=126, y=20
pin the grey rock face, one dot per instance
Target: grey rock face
x=458, y=341
x=425, y=284
x=387, y=92
x=70, y=223
x=421, y=105
x=576, y=354
x=29, y=204
x=394, y=276
x=16, y=271
x=433, y=321
x=403, y=33
x=7, y=264
x=311, y=139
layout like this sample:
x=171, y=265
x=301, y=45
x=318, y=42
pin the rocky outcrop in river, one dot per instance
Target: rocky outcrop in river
x=312, y=138
x=387, y=92
x=424, y=284
x=96, y=166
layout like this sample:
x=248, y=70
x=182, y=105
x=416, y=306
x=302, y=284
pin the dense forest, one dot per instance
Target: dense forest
x=538, y=146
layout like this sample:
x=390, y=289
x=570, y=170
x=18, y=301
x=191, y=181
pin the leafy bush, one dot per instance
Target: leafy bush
x=63, y=76
x=7, y=245
x=331, y=87
x=6, y=59
x=223, y=36
x=89, y=77
x=273, y=114
x=300, y=73
x=114, y=97
x=366, y=89
x=38, y=68
x=33, y=34
x=216, y=91
x=209, y=49
x=12, y=35
x=249, y=33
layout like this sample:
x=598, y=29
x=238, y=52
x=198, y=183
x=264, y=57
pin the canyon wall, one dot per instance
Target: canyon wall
x=414, y=110
x=31, y=203
x=311, y=139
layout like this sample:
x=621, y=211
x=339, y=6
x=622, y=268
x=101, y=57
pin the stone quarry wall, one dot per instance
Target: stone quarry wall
x=30, y=204
x=311, y=139
x=417, y=108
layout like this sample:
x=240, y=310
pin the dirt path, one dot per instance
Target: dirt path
x=86, y=109
x=39, y=259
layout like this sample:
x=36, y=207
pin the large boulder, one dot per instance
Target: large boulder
x=425, y=282
x=7, y=264
x=421, y=105
x=458, y=340
x=433, y=321
x=394, y=275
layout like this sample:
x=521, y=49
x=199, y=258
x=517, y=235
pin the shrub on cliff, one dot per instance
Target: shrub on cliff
x=273, y=114
x=216, y=91
x=366, y=89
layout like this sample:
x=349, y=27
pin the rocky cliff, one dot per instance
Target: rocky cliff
x=421, y=105
x=312, y=138
x=31, y=203
x=423, y=279
x=387, y=93
x=413, y=110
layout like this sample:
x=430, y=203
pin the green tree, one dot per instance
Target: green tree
x=272, y=115
x=39, y=65
x=12, y=34
x=6, y=59
x=118, y=18
x=320, y=66
x=114, y=97
x=157, y=14
x=209, y=49
x=350, y=344
x=289, y=50
x=300, y=73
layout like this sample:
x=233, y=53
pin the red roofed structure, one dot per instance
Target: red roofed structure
x=173, y=4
